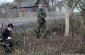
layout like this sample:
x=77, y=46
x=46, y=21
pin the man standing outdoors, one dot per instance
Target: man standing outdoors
x=41, y=15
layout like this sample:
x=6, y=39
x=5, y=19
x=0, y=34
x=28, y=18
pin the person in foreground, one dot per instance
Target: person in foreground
x=7, y=38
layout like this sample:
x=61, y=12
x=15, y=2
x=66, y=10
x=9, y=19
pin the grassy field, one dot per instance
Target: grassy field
x=55, y=42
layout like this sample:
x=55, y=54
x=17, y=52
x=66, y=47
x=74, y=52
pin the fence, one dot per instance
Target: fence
x=49, y=14
x=9, y=13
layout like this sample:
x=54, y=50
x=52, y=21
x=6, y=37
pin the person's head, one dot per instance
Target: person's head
x=40, y=6
x=10, y=26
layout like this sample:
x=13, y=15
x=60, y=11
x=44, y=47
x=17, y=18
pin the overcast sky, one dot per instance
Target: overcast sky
x=2, y=1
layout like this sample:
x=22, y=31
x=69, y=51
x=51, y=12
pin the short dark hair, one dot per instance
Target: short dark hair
x=10, y=25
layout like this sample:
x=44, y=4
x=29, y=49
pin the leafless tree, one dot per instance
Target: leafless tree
x=69, y=10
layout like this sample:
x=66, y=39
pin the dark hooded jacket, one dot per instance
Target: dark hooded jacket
x=6, y=33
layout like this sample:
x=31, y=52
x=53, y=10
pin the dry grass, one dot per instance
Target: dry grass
x=54, y=44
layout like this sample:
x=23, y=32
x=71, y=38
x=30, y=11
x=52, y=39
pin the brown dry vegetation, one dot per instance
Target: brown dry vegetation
x=55, y=43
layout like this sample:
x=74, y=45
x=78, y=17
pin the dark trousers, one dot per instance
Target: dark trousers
x=8, y=46
x=41, y=29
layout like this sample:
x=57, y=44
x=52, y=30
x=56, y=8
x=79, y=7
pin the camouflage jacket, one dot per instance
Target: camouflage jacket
x=41, y=15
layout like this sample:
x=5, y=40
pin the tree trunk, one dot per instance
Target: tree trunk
x=67, y=22
x=67, y=15
x=66, y=19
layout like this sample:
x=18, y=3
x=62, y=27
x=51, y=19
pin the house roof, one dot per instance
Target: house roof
x=28, y=3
